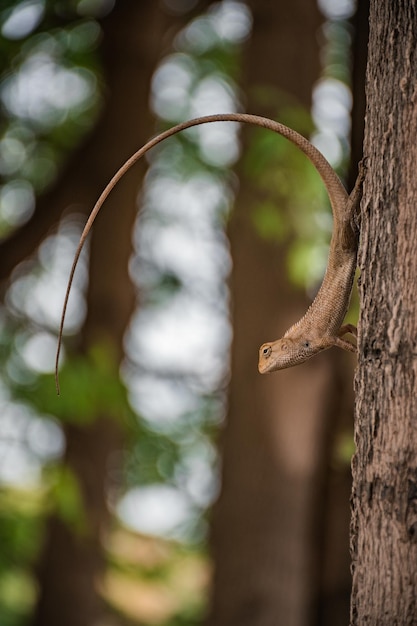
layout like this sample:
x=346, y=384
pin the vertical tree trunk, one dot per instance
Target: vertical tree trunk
x=265, y=524
x=384, y=498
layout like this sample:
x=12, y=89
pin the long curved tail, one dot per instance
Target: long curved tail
x=335, y=189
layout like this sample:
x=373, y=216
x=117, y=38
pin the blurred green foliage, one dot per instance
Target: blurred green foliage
x=62, y=40
x=50, y=95
x=287, y=211
x=92, y=388
x=20, y=538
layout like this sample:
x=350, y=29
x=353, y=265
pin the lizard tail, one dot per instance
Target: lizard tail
x=335, y=189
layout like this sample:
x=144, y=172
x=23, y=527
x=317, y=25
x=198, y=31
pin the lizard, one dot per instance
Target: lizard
x=320, y=328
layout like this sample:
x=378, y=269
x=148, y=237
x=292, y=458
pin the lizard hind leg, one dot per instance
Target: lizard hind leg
x=344, y=343
x=347, y=328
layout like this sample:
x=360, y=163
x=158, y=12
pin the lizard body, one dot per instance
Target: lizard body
x=320, y=328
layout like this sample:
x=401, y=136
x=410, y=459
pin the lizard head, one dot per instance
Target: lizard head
x=286, y=352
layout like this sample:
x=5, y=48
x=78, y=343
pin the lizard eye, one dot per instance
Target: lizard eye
x=306, y=344
x=266, y=351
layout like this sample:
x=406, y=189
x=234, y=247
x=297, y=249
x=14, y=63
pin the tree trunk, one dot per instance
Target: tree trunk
x=266, y=522
x=384, y=497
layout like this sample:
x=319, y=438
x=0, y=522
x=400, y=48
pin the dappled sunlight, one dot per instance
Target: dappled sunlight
x=13, y=154
x=171, y=84
x=337, y=9
x=23, y=19
x=39, y=352
x=183, y=337
x=332, y=102
x=44, y=92
x=175, y=399
x=193, y=201
x=214, y=94
x=158, y=510
x=219, y=146
x=27, y=442
x=17, y=201
x=39, y=296
x=227, y=22
x=193, y=254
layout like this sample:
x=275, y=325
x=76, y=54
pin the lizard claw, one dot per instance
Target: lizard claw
x=344, y=343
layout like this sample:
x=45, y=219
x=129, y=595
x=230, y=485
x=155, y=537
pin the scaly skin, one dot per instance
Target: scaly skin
x=320, y=327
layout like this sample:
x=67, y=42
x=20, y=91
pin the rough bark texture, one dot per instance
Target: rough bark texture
x=384, y=522
x=266, y=523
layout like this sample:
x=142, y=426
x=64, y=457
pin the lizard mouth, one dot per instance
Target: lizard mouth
x=262, y=369
x=265, y=363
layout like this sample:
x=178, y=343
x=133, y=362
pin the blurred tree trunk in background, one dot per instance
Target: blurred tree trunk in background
x=266, y=536
x=72, y=561
x=360, y=24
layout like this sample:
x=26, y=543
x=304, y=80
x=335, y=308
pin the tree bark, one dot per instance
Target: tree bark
x=275, y=444
x=384, y=496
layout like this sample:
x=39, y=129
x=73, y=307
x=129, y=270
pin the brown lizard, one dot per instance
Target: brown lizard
x=321, y=327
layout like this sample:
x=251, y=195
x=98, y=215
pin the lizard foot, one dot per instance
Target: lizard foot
x=348, y=328
x=344, y=343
